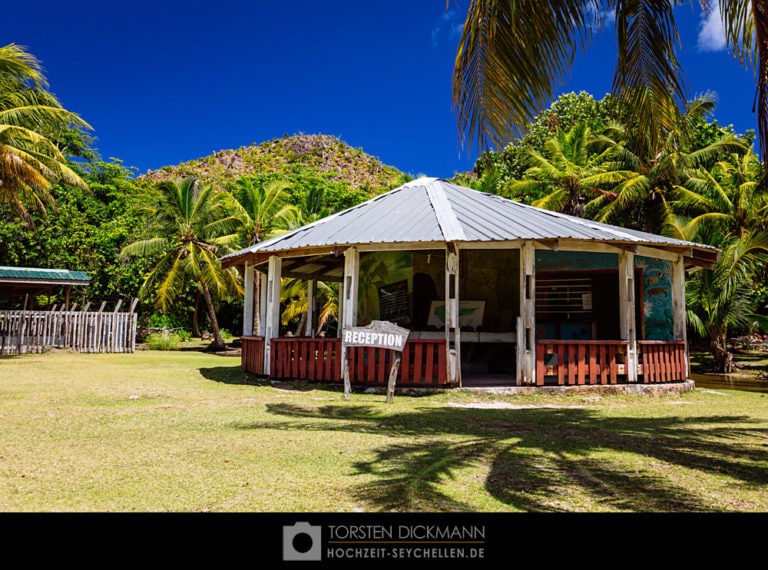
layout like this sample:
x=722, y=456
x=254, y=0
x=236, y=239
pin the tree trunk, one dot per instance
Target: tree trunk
x=218, y=342
x=301, y=329
x=195, y=320
x=575, y=204
x=723, y=357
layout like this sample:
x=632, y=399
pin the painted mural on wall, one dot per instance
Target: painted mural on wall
x=656, y=286
x=657, y=298
x=385, y=283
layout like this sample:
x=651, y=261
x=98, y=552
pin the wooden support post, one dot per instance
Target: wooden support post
x=678, y=308
x=526, y=324
x=452, y=329
x=627, y=325
x=392, y=378
x=22, y=326
x=263, y=281
x=349, y=288
x=273, y=308
x=248, y=300
x=345, y=374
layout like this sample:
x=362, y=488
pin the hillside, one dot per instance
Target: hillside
x=322, y=154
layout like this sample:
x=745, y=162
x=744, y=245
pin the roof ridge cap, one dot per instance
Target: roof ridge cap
x=446, y=218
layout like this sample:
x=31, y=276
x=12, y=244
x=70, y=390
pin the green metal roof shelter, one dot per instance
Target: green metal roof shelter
x=21, y=281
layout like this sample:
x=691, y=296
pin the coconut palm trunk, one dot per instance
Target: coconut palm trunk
x=723, y=358
x=218, y=341
x=195, y=319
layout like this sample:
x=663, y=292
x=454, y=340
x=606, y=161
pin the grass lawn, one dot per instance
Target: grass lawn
x=184, y=431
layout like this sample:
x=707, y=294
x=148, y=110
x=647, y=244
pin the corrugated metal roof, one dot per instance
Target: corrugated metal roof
x=63, y=276
x=427, y=210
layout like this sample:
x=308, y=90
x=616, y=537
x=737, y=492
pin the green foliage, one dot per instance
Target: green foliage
x=164, y=321
x=164, y=340
x=185, y=240
x=260, y=209
x=85, y=231
x=184, y=335
x=31, y=125
x=496, y=169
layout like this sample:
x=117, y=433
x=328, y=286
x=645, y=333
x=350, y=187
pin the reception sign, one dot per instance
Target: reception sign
x=378, y=334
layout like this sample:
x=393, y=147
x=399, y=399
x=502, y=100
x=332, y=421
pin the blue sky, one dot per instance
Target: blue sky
x=166, y=81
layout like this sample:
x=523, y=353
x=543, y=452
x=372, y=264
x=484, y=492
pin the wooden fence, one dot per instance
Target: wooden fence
x=23, y=331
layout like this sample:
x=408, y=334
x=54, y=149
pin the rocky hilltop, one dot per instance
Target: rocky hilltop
x=322, y=154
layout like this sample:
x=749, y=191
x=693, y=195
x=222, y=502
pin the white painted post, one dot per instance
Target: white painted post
x=526, y=324
x=248, y=299
x=678, y=306
x=349, y=291
x=262, y=303
x=627, y=322
x=351, y=278
x=452, y=329
x=272, y=308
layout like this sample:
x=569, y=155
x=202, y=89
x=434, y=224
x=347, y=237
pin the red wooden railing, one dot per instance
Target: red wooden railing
x=252, y=354
x=662, y=361
x=560, y=362
x=306, y=359
x=580, y=362
x=570, y=363
x=422, y=363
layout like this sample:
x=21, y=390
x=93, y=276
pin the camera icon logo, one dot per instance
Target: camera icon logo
x=301, y=541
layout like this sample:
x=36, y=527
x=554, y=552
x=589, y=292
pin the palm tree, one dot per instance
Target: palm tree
x=719, y=300
x=512, y=55
x=297, y=305
x=261, y=211
x=187, y=225
x=728, y=205
x=570, y=170
x=31, y=122
x=311, y=207
x=643, y=201
x=729, y=196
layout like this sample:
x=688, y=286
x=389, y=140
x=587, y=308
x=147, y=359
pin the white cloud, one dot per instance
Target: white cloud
x=711, y=33
x=450, y=24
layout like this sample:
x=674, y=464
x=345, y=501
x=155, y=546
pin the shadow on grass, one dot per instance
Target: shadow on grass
x=537, y=455
x=232, y=375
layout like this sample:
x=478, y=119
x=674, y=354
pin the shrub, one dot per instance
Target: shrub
x=162, y=341
x=184, y=335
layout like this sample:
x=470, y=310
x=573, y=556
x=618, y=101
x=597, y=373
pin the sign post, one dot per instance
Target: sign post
x=378, y=334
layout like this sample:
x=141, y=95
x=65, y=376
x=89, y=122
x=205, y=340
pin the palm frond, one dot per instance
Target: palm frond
x=522, y=47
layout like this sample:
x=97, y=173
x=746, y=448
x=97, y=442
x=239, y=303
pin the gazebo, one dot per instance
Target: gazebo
x=492, y=292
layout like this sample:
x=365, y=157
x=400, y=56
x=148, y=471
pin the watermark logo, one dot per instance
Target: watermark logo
x=301, y=541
